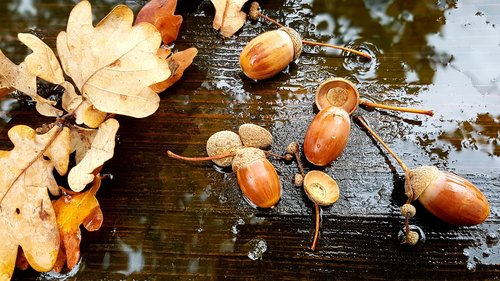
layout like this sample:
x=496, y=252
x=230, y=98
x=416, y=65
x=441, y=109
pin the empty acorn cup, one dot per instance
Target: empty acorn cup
x=323, y=190
x=343, y=93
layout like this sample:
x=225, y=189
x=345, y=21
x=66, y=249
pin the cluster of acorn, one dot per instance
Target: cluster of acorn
x=449, y=197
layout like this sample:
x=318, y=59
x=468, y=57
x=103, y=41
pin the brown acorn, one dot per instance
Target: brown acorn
x=327, y=136
x=269, y=53
x=257, y=177
x=223, y=142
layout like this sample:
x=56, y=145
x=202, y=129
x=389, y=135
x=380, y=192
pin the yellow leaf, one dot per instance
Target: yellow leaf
x=19, y=77
x=42, y=62
x=228, y=16
x=81, y=141
x=27, y=218
x=101, y=150
x=181, y=60
x=114, y=63
x=84, y=111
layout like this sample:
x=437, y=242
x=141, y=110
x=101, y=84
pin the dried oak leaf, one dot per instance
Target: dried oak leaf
x=83, y=110
x=160, y=13
x=178, y=62
x=100, y=151
x=81, y=141
x=114, y=63
x=228, y=16
x=71, y=212
x=19, y=77
x=42, y=62
x=27, y=218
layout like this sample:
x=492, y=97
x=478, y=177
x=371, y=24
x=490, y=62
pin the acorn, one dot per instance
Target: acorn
x=327, y=136
x=447, y=196
x=252, y=135
x=269, y=53
x=223, y=142
x=257, y=177
x=343, y=93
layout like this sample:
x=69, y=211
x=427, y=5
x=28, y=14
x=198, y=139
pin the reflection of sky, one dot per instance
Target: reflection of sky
x=26, y=7
x=466, y=84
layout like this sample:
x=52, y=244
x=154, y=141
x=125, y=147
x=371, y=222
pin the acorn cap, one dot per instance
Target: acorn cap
x=245, y=156
x=222, y=142
x=338, y=92
x=421, y=177
x=321, y=188
x=296, y=41
x=255, y=136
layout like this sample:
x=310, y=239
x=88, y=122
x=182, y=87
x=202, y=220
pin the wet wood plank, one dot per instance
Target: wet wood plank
x=168, y=220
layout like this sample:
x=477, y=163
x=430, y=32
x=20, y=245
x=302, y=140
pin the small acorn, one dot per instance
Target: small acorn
x=255, y=136
x=327, y=136
x=223, y=142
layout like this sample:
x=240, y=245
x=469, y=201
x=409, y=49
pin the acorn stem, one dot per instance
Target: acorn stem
x=311, y=43
x=396, y=108
x=274, y=155
x=196, y=159
x=299, y=163
x=400, y=162
x=316, y=230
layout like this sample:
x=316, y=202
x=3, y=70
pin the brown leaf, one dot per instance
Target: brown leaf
x=81, y=141
x=181, y=60
x=114, y=63
x=42, y=62
x=228, y=16
x=19, y=77
x=71, y=212
x=27, y=218
x=101, y=150
x=160, y=13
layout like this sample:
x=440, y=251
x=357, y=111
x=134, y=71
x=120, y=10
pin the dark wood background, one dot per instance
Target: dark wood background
x=169, y=220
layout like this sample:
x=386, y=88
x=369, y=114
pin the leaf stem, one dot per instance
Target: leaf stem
x=316, y=229
x=396, y=108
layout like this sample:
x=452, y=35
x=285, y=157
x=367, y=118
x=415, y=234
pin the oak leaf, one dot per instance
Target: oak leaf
x=81, y=141
x=114, y=63
x=42, y=62
x=100, y=151
x=228, y=16
x=160, y=13
x=83, y=110
x=19, y=77
x=178, y=63
x=27, y=218
x=72, y=211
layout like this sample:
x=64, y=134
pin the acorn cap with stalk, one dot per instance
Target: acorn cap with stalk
x=223, y=142
x=321, y=188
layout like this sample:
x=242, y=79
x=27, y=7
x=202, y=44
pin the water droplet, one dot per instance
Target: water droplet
x=259, y=248
x=492, y=238
x=471, y=266
x=486, y=253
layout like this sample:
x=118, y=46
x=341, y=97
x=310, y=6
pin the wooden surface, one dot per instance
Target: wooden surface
x=170, y=220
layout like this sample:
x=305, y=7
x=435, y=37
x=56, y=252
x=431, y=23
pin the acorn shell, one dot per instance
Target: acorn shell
x=321, y=188
x=449, y=197
x=257, y=177
x=269, y=53
x=327, y=136
x=222, y=142
x=255, y=136
x=337, y=92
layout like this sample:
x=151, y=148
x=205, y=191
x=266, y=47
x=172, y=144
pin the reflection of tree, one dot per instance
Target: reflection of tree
x=481, y=134
x=397, y=27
